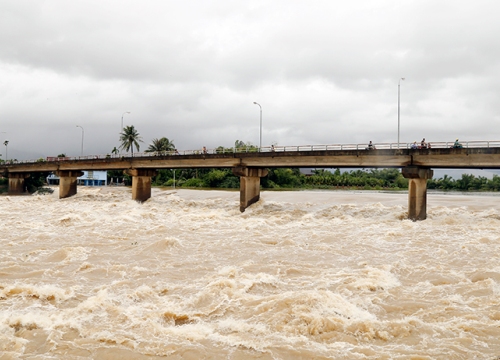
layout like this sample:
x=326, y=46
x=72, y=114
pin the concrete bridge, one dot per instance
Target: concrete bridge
x=250, y=164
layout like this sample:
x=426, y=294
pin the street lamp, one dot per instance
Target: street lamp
x=260, y=139
x=126, y=112
x=82, y=137
x=2, y=132
x=399, y=85
x=6, y=142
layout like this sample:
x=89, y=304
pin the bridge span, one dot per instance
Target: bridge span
x=251, y=164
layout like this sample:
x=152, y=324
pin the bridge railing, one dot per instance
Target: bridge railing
x=275, y=148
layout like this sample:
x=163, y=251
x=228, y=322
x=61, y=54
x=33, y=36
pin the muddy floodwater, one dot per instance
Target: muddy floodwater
x=298, y=275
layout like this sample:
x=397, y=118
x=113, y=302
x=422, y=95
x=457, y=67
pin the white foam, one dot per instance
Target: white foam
x=298, y=273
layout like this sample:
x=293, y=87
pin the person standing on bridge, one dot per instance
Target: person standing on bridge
x=457, y=145
x=423, y=144
x=371, y=146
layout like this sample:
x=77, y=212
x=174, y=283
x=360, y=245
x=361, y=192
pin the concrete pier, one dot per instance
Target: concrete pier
x=417, y=191
x=16, y=182
x=249, y=185
x=67, y=182
x=141, y=183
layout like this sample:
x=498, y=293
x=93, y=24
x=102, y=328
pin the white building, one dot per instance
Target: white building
x=89, y=178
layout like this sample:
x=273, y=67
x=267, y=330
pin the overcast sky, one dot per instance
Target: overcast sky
x=324, y=72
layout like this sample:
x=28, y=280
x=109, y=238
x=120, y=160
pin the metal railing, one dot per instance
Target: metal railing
x=268, y=149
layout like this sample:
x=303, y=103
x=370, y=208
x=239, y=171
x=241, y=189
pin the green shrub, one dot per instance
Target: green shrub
x=231, y=182
x=169, y=182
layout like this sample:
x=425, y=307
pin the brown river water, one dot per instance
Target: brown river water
x=299, y=275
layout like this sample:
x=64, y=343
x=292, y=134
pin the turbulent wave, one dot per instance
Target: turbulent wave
x=338, y=275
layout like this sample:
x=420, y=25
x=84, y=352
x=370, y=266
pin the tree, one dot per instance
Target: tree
x=239, y=144
x=130, y=138
x=161, y=146
x=494, y=184
x=35, y=181
x=216, y=177
x=114, y=151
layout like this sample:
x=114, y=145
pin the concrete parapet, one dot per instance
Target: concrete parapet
x=67, y=182
x=141, y=183
x=16, y=182
x=249, y=185
x=417, y=191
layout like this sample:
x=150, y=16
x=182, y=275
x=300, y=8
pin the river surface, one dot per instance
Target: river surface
x=298, y=275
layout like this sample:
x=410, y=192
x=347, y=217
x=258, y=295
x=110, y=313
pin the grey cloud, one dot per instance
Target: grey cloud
x=324, y=72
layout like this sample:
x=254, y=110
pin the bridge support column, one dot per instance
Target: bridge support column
x=141, y=183
x=249, y=185
x=417, y=191
x=67, y=182
x=16, y=182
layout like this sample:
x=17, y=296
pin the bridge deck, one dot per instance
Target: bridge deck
x=481, y=157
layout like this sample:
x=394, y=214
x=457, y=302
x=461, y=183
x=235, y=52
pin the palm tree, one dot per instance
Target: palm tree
x=161, y=146
x=239, y=143
x=114, y=151
x=130, y=138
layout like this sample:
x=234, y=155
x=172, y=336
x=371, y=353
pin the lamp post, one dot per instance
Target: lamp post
x=82, y=138
x=126, y=112
x=6, y=142
x=260, y=138
x=399, y=85
x=121, y=129
x=2, y=132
